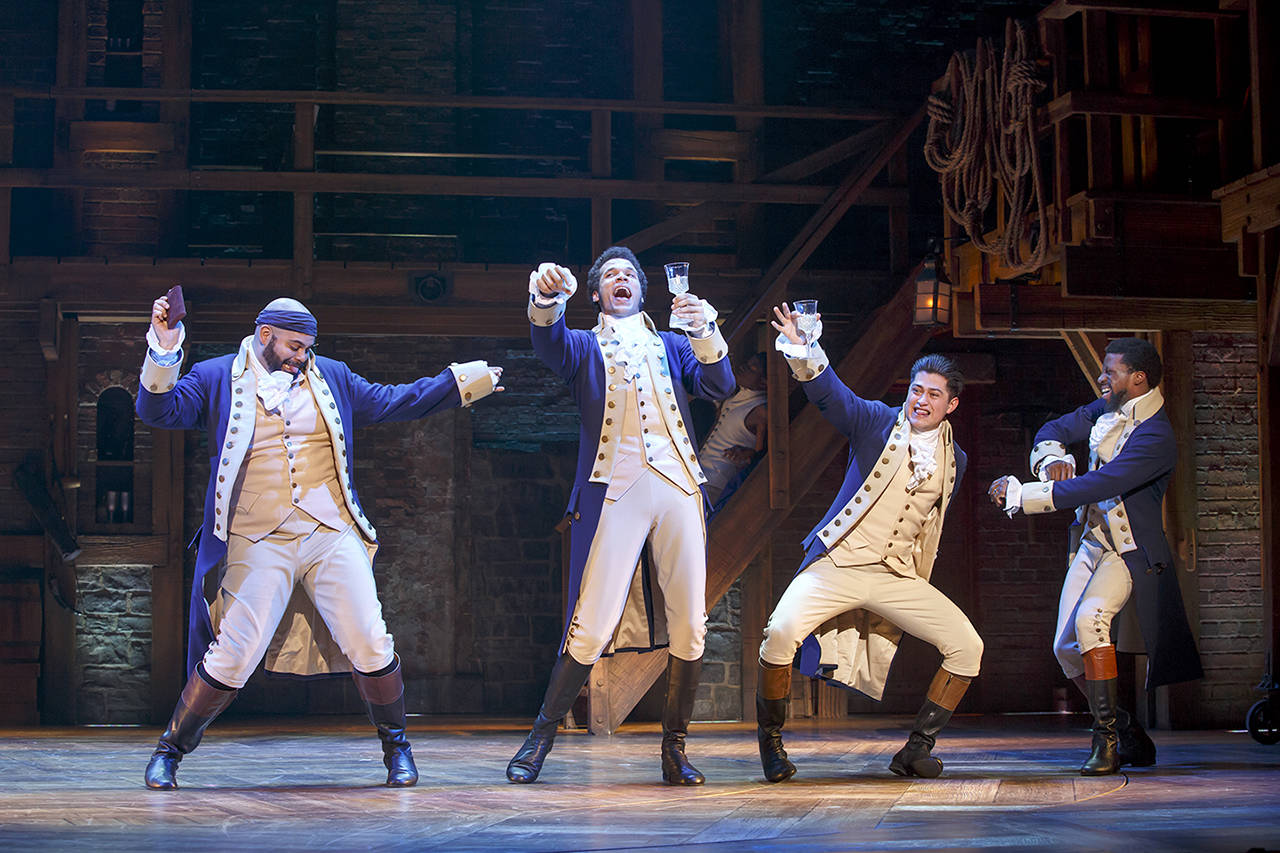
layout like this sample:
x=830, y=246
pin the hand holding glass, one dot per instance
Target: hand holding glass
x=678, y=283
x=807, y=321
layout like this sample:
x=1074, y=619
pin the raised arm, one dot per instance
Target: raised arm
x=846, y=411
x=457, y=385
x=164, y=400
x=550, y=287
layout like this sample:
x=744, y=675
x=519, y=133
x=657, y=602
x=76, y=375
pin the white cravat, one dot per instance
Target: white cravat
x=924, y=459
x=275, y=386
x=633, y=338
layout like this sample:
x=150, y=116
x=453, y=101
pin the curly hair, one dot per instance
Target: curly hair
x=613, y=253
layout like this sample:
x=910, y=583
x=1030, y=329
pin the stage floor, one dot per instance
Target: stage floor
x=1010, y=782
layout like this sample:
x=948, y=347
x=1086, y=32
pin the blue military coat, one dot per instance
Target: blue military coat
x=203, y=399
x=575, y=356
x=1138, y=474
x=856, y=650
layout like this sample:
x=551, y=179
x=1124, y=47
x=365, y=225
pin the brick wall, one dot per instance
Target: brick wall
x=1228, y=538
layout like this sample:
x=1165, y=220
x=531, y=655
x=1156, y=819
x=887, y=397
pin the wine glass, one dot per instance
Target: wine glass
x=807, y=322
x=677, y=283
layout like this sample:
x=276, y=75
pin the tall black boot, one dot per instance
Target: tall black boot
x=201, y=701
x=1135, y=748
x=682, y=687
x=567, y=678
x=915, y=758
x=383, y=695
x=1100, y=680
x=773, y=689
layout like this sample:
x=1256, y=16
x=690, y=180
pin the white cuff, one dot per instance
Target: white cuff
x=1012, y=496
x=1049, y=451
x=1037, y=498
x=158, y=378
x=154, y=342
x=783, y=345
x=475, y=382
x=545, y=315
x=711, y=348
x=810, y=365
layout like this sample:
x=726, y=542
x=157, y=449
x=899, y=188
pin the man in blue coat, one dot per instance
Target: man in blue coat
x=1118, y=546
x=867, y=565
x=638, y=482
x=285, y=562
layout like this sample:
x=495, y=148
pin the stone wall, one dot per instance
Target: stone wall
x=113, y=644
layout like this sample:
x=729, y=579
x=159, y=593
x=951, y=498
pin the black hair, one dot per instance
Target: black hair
x=944, y=367
x=1137, y=354
x=609, y=254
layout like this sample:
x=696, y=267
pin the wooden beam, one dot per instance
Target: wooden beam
x=706, y=145
x=1043, y=308
x=304, y=136
x=639, y=105
x=1103, y=104
x=1250, y=204
x=704, y=212
x=59, y=672
x=1086, y=351
x=1154, y=272
x=168, y=614
x=304, y=243
x=460, y=185
x=601, y=167
x=1097, y=76
x=778, y=392
x=47, y=334
x=126, y=550
x=1061, y=9
x=126, y=136
x=775, y=280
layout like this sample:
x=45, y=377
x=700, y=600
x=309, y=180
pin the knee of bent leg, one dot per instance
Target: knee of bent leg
x=964, y=655
x=781, y=639
x=1093, y=623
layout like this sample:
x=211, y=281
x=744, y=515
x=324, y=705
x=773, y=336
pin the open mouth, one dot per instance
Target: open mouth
x=622, y=292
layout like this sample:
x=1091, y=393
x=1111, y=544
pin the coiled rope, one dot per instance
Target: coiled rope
x=984, y=135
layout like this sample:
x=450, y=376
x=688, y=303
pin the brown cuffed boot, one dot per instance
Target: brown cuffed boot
x=682, y=687
x=1100, y=679
x=201, y=701
x=773, y=691
x=383, y=695
x=914, y=759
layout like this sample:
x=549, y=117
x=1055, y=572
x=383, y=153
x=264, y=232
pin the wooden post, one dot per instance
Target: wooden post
x=168, y=625
x=746, y=63
x=777, y=391
x=59, y=676
x=1176, y=706
x=757, y=602
x=304, y=160
x=601, y=167
x=646, y=85
x=175, y=74
x=1097, y=76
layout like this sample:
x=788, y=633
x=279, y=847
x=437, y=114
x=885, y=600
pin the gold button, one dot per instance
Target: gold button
x=604, y=438
x=837, y=522
x=1128, y=541
x=462, y=377
x=893, y=447
x=680, y=424
x=601, y=456
x=884, y=461
x=848, y=512
x=611, y=404
x=858, y=499
x=577, y=515
x=613, y=370
x=1124, y=527
x=673, y=408
x=867, y=487
x=608, y=421
x=875, y=473
x=467, y=396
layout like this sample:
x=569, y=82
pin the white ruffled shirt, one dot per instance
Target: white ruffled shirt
x=924, y=458
x=633, y=339
x=274, y=387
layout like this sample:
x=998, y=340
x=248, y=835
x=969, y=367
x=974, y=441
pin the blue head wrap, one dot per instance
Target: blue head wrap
x=294, y=321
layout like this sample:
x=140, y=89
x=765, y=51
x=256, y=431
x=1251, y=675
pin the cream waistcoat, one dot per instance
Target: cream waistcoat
x=660, y=415
x=889, y=530
x=289, y=466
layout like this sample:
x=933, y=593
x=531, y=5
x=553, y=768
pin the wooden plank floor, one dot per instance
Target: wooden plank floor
x=313, y=784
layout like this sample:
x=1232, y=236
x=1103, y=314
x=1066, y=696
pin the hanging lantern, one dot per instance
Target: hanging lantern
x=933, y=296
